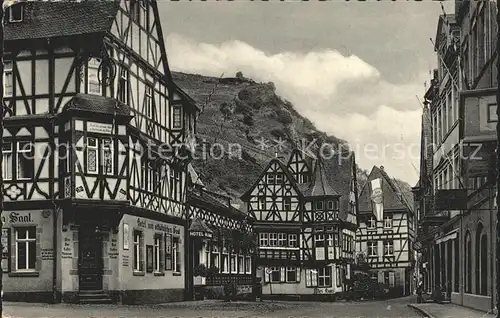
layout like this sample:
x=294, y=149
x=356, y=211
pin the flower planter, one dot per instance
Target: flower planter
x=199, y=280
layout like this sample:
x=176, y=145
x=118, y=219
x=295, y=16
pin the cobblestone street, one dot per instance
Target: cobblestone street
x=391, y=308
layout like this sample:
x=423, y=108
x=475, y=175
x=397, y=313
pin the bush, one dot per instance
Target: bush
x=200, y=270
x=229, y=291
x=284, y=116
x=279, y=133
x=212, y=271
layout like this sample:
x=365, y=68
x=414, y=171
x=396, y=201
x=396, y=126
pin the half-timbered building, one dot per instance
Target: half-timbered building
x=93, y=189
x=222, y=246
x=386, y=232
x=305, y=219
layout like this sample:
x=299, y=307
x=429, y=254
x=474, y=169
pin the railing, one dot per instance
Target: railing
x=222, y=279
x=279, y=254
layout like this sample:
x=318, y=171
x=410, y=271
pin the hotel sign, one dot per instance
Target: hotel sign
x=99, y=128
x=201, y=234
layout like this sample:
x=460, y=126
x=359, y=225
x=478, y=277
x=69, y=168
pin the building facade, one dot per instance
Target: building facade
x=221, y=241
x=457, y=211
x=305, y=215
x=94, y=191
x=386, y=233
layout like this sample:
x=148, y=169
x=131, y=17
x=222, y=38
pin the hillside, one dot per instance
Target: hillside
x=242, y=112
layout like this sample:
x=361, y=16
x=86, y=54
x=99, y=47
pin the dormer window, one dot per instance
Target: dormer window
x=319, y=205
x=15, y=13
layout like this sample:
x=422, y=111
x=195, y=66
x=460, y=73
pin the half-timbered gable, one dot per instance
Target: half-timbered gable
x=275, y=197
x=385, y=234
x=96, y=133
x=306, y=256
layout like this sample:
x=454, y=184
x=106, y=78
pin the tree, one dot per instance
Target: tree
x=248, y=120
x=239, y=75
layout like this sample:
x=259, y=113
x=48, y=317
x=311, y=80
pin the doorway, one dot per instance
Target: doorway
x=90, y=259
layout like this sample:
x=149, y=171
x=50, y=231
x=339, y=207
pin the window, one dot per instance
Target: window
x=275, y=274
x=149, y=102
x=138, y=252
x=107, y=156
x=248, y=265
x=389, y=279
x=68, y=157
x=282, y=240
x=270, y=178
x=122, y=93
x=273, y=239
x=291, y=274
x=388, y=248
x=319, y=205
x=279, y=178
x=25, y=160
x=177, y=124
x=176, y=252
x=215, y=257
x=92, y=154
x=15, y=13
x=468, y=263
x=325, y=277
x=388, y=222
x=225, y=262
x=372, y=248
x=292, y=240
x=287, y=204
x=338, y=276
x=25, y=248
x=241, y=264
x=332, y=205
x=372, y=223
x=319, y=240
x=94, y=86
x=492, y=113
x=233, y=264
x=7, y=160
x=157, y=255
x=263, y=239
x=262, y=203
x=8, y=79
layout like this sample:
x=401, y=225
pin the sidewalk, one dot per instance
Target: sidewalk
x=433, y=310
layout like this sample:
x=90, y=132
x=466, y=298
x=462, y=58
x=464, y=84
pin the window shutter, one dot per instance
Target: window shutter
x=168, y=252
x=297, y=274
x=266, y=275
x=391, y=279
x=314, y=278
x=308, y=278
x=282, y=274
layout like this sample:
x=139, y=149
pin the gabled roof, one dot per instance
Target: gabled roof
x=97, y=104
x=194, y=177
x=319, y=185
x=443, y=20
x=285, y=170
x=42, y=19
x=392, y=198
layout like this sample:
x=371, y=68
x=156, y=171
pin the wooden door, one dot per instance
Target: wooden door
x=90, y=259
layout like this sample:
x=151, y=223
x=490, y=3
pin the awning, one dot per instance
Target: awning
x=450, y=236
x=198, y=228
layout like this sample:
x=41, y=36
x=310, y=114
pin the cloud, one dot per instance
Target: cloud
x=342, y=95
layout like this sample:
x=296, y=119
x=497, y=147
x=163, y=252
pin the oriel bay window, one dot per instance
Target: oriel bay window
x=25, y=248
x=92, y=155
x=105, y=157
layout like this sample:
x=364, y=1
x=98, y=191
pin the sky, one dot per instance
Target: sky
x=356, y=69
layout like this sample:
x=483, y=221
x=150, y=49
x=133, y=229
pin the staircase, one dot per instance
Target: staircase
x=93, y=297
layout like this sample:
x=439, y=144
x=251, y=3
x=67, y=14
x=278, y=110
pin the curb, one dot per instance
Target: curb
x=421, y=311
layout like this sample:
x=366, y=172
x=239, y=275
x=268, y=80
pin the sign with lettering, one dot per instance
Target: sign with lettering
x=160, y=227
x=201, y=234
x=47, y=254
x=5, y=250
x=125, y=260
x=113, y=248
x=243, y=289
x=67, y=246
x=325, y=290
x=18, y=217
x=99, y=128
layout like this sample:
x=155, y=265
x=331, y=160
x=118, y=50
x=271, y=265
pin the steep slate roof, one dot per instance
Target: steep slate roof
x=319, y=186
x=195, y=178
x=97, y=104
x=198, y=225
x=392, y=198
x=42, y=19
x=208, y=200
